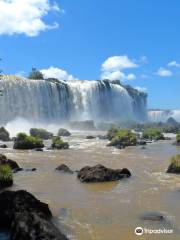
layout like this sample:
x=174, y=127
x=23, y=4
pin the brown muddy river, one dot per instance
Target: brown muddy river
x=106, y=211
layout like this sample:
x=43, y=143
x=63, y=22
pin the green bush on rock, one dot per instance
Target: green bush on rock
x=6, y=176
x=174, y=166
x=58, y=143
x=152, y=134
x=40, y=133
x=178, y=139
x=4, y=134
x=23, y=141
x=122, y=138
x=112, y=132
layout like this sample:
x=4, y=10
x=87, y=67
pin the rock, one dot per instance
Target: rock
x=30, y=169
x=38, y=149
x=64, y=168
x=23, y=141
x=4, y=134
x=153, y=216
x=174, y=166
x=141, y=142
x=26, y=217
x=13, y=165
x=102, y=137
x=3, y=146
x=90, y=137
x=99, y=173
x=63, y=132
x=41, y=133
x=143, y=147
x=58, y=143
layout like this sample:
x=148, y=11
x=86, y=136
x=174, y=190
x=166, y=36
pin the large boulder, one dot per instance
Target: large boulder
x=99, y=173
x=4, y=134
x=23, y=141
x=63, y=132
x=41, y=133
x=26, y=217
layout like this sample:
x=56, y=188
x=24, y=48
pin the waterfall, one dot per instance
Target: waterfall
x=163, y=115
x=59, y=101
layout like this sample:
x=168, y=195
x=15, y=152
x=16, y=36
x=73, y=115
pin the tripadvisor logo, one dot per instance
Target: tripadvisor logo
x=139, y=231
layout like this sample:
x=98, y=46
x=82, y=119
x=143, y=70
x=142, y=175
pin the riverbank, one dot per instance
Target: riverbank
x=103, y=210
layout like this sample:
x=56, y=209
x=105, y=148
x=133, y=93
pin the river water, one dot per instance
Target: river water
x=104, y=211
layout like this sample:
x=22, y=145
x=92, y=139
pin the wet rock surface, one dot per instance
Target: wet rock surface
x=64, y=168
x=99, y=173
x=26, y=217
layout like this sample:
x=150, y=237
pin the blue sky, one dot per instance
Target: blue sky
x=135, y=41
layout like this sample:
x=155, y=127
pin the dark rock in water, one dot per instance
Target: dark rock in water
x=38, y=149
x=26, y=217
x=99, y=173
x=63, y=132
x=90, y=137
x=102, y=137
x=64, y=168
x=13, y=165
x=4, y=134
x=30, y=169
x=141, y=142
x=153, y=216
x=3, y=146
x=143, y=147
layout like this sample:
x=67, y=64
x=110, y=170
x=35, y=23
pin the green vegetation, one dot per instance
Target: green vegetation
x=162, y=127
x=6, y=176
x=35, y=74
x=121, y=137
x=174, y=166
x=152, y=134
x=41, y=133
x=178, y=138
x=58, y=143
x=63, y=132
x=4, y=134
x=23, y=141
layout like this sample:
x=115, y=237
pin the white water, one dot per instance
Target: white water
x=40, y=100
x=163, y=115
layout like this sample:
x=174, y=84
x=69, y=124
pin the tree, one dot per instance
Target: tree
x=35, y=74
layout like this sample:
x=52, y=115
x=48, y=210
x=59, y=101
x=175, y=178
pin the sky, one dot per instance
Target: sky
x=134, y=41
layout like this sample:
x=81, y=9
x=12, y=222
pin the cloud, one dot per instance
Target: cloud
x=173, y=64
x=141, y=89
x=113, y=67
x=25, y=16
x=163, y=72
x=53, y=72
x=118, y=63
